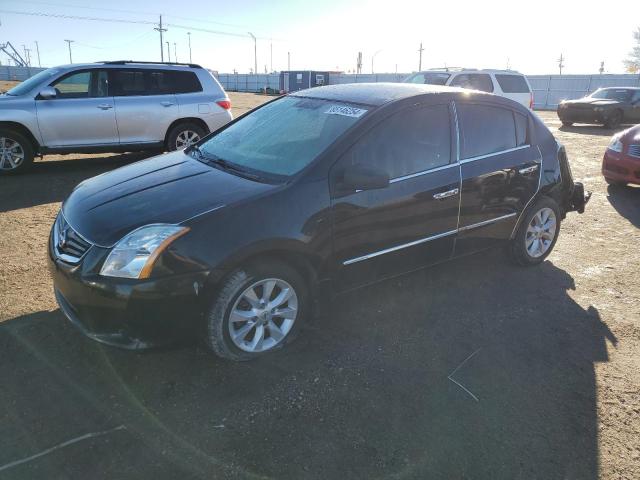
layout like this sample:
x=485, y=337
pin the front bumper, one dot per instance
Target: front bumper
x=130, y=314
x=620, y=167
x=586, y=115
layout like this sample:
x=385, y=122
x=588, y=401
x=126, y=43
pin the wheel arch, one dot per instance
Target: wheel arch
x=177, y=122
x=23, y=130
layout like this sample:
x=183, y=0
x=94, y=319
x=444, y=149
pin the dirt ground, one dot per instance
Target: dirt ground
x=550, y=357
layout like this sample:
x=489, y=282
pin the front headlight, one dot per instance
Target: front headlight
x=615, y=144
x=134, y=255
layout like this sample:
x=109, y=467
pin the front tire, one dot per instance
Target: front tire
x=16, y=152
x=567, y=124
x=537, y=233
x=184, y=135
x=258, y=309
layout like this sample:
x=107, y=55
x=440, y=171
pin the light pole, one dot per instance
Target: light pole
x=38, y=52
x=160, y=30
x=69, y=42
x=175, y=53
x=168, y=52
x=374, y=56
x=189, y=34
x=255, y=52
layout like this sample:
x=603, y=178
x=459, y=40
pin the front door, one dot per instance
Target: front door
x=82, y=112
x=410, y=223
x=500, y=173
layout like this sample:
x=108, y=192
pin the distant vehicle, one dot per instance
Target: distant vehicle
x=117, y=106
x=506, y=83
x=621, y=162
x=607, y=106
x=235, y=237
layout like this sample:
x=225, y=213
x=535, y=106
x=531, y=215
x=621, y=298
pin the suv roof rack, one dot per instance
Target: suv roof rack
x=125, y=62
x=451, y=69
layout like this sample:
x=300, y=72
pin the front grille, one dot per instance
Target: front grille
x=68, y=244
x=610, y=166
x=634, y=150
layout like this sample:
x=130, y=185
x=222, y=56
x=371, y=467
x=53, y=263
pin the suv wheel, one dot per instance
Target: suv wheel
x=614, y=119
x=257, y=310
x=537, y=233
x=184, y=135
x=16, y=152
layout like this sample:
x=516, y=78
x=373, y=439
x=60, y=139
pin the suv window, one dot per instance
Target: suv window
x=408, y=142
x=433, y=78
x=476, y=81
x=185, y=82
x=512, y=83
x=126, y=83
x=485, y=129
x=83, y=84
x=130, y=82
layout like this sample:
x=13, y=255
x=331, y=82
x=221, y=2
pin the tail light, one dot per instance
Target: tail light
x=531, y=101
x=226, y=104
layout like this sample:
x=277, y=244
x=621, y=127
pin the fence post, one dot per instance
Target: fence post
x=546, y=102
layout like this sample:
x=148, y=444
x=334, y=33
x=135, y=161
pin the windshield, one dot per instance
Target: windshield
x=32, y=82
x=429, y=78
x=284, y=136
x=620, y=94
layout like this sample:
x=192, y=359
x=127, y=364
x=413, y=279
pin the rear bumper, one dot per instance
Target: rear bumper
x=621, y=168
x=578, y=199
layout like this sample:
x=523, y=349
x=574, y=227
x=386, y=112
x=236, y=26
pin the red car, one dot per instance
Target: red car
x=621, y=162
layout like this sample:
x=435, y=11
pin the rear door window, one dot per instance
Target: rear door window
x=475, y=81
x=521, y=129
x=512, y=83
x=126, y=83
x=408, y=142
x=485, y=129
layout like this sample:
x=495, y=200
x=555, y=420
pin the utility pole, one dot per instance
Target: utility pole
x=175, y=53
x=420, y=61
x=560, y=63
x=271, y=59
x=255, y=52
x=359, y=63
x=168, y=52
x=38, y=52
x=160, y=29
x=26, y=55
x=69, y=42
x=372, y=57
x=601, y=69
x=288, y=61
x=189, y=34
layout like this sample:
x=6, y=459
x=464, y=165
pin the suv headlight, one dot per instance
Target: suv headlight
x=135, y=254
x=615, y=144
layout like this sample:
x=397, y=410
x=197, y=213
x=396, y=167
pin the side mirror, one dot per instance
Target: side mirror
x=359, y=177
x=47, y=93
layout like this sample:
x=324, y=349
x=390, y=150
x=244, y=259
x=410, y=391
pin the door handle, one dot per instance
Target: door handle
x=448, y=193
x=167, y=104
x=531, y=169
x=105, y=106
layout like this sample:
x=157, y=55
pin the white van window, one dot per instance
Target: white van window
x=512, y=83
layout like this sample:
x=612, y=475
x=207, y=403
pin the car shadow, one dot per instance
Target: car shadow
x=460, y=371
x=53, y=180
x=626, y=201
x=597, y=130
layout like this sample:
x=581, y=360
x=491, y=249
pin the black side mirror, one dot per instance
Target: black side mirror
x=358, y=177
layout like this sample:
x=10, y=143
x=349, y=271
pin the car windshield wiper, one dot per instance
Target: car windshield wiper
x=227, y=166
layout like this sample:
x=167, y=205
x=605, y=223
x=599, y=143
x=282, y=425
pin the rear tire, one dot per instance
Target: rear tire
x=16, y=152
x=537, y=233
x=183, y=135
x=248, y=317
x=567, y=124
x=614, y=120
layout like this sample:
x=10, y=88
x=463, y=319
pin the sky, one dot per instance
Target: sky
x=328, y=34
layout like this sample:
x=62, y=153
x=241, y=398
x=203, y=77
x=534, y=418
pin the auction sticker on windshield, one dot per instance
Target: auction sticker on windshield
x=346, y=111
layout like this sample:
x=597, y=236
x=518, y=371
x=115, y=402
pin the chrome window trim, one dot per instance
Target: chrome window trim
x=398, y=247
x=480, y=157
x=427, y=239
x=455, y=116
x=423, y=172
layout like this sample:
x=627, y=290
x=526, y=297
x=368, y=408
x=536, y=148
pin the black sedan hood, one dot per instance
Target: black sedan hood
x=165, y=189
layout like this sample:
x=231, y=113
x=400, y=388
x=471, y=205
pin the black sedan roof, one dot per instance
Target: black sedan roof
x=377, y=94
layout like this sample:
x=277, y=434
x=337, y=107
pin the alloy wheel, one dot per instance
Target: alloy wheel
x=11, y=154
x=186, y=138
x=263, y=315
x=540, y=232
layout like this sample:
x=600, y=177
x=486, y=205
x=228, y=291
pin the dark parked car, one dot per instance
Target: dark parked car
x=607, y=106
x=323, y=190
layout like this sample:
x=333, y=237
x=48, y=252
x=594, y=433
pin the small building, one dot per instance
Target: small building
x=295, y=80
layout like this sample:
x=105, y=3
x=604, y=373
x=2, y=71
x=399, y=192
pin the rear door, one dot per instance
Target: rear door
x=515, y=87
x=500, y=171
x=145, y=104
x=410, y=223
x=82, y=112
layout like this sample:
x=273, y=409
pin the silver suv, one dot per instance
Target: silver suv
x=108, y=107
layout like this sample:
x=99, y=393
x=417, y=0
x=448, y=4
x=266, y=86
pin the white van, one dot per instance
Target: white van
x=506, y=83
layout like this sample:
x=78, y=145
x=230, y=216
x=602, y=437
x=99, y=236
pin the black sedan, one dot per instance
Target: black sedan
x=607, y=106
x=309, y=195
